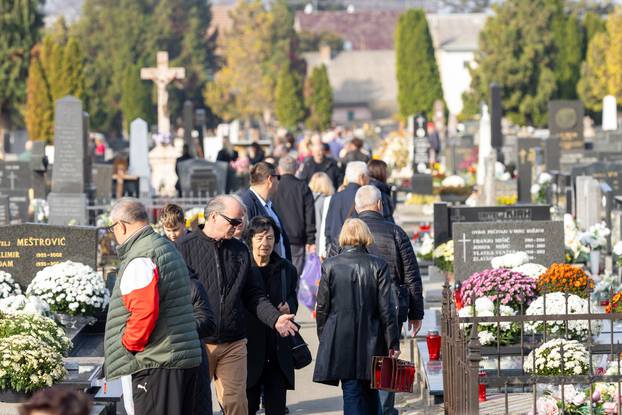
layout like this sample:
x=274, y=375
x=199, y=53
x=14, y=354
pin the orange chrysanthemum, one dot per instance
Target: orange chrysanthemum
x=565, y=278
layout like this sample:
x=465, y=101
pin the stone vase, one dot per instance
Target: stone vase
x=594, y=262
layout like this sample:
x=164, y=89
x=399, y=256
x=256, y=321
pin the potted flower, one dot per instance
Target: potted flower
x=82, y=290
x=487, y=332
x=565, y=278
x=576, y=252
x=425, y=252
x=503, y=285
x=547, y=359
x=595, y=238
x=605, y=288
x=38, y=326
x=28, y=364
x=540, y=191
x=8, y=286
x=444, y=258
x=530, y=270
x=558, y=303
x=510, y=260
x=454, y=189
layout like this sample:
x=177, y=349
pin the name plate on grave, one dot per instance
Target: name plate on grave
x=475, y=244
x=68, y=209
x=446, y=216
x=28, y=248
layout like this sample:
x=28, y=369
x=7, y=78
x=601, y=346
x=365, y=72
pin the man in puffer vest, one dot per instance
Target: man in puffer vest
x=151, y=340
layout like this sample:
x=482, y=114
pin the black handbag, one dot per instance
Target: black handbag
x=300, y=351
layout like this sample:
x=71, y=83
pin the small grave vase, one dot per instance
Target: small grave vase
x=594, y=262
x=433, y=341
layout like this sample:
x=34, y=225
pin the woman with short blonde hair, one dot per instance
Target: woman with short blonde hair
x=322, y=187
x=355, y=232
x=356, y=319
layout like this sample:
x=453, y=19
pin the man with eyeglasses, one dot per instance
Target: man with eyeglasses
x=222, y=263
x=258, y=200
x=151, y=341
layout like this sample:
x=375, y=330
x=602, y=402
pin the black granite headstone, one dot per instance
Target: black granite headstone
x=422, y=184
x=495, y=116
x=566, y=121
x=15, y=183
x=188, y=118
x=26, y=249
x=445, y=216
x=610, y=173
x=475, y=244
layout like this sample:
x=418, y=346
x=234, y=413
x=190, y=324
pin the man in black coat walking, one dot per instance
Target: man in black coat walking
x=258, y=200
x=294, y=204
x=319, y=162
x=392, y=244
x=341, y=205
x=223, y=265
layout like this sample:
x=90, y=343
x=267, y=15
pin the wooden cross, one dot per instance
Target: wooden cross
x=162, y=75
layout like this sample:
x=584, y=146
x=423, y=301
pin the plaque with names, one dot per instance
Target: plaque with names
x=445, y=216
x=476, y=244
x=28, y=248
x=68, y=208
x=5, y=215
x=19, y=202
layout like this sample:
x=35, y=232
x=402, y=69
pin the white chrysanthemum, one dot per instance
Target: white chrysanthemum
x=530, y=270
x=70, y=287
x=556, y=304
x=510, y=260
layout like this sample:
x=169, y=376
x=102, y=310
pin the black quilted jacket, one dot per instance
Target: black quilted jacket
x=393, y=245
x=224, y=268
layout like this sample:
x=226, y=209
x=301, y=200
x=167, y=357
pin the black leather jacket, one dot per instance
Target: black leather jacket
x=392, y=244
x=356, y=316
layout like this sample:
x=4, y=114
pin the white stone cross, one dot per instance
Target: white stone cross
x=464, y=241
x=11, y=176
x=162, y=75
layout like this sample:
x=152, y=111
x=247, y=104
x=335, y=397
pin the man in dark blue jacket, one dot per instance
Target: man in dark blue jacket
x=258, y=200
x=341, y=205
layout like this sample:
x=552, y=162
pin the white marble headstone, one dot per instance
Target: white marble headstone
x=610, y=113
x=485, y=144
x=139, y=155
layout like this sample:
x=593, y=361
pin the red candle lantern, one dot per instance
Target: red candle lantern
x=482, y=387
x=433, y=340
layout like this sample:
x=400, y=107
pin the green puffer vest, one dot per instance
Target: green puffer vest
x=174, y=342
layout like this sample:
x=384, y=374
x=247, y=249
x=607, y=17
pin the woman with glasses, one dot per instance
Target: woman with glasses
x=270, y=363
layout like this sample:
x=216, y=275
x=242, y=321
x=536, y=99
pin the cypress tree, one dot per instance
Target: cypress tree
x=418, y=80
x=290, y=109
x=39, y=112
x=136, y=98
x=568, y=37
x=72, y=70
x=319, y=98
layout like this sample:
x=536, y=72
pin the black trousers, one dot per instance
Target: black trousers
x=164, y=391
x=274, y=387
x=299, y=254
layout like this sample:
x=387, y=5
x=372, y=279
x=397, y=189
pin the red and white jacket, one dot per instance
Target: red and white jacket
x=139, y=291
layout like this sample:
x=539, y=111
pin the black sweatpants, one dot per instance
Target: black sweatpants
x=164, y=391
x=274, y=391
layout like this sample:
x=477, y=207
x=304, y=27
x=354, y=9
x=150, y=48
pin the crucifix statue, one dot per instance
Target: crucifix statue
x=162, y=75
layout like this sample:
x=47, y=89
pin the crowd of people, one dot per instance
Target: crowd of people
x=218, y=304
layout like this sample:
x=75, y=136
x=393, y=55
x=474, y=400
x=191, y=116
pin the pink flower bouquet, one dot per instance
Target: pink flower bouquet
x=503, y=285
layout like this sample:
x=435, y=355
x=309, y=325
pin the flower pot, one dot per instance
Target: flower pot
x=454, y=198
x=594, y=262
x=9, y=396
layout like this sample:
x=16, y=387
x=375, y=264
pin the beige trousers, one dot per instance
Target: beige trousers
x=227, y=367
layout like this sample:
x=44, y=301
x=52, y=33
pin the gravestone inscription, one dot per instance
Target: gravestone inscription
x=475, y=244
x=28, y=248
x=5, y=215
x=445, y=216
x=15, y=182
x=566, y=121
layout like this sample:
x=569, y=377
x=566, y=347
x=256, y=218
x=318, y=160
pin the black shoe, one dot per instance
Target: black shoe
x=286, y=410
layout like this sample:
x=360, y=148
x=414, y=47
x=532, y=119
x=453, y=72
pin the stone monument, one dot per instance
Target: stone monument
x=610, y=113
x=72, y=169
x=485, y=144
x=139, y=156
x=162, y=75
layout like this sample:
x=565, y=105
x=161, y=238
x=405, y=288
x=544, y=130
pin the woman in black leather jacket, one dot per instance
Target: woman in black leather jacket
x=356, y=319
